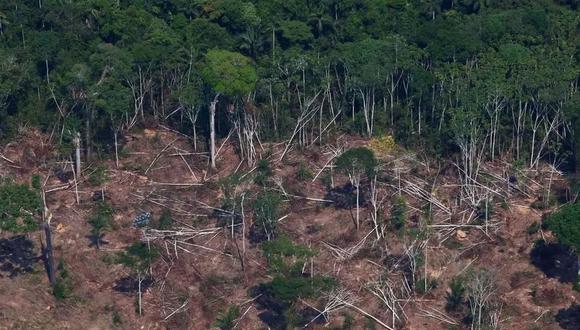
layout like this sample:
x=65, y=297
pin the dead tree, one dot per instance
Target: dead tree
x=480, y=288
x=212, y=108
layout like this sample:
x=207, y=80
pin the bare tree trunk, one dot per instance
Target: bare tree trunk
x=212, y=129
x=77, y=144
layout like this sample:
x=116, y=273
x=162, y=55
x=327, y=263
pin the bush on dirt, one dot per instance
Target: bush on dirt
x=226, y=320
x=138, y=257
x=100, y=221
x=398, y=213
x=304, y=172
x=98, y=176
x=20, y=206
x=455, y=297
x=263, y=172
x=62, y=289
x=286, y=262
x=165, y=221
x=267, y=211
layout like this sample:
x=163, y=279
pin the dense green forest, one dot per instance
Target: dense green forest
x=469, y=78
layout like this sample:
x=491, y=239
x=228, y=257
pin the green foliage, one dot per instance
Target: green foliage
x=286, y=261
x=229, y=187
x=565, y=223
x=229, y=73
x=100, y=221
x=357, y=161
x=290, y=288
x=116, y=318
x=284, y=257
x=455, y=297
x=138, y=257
x=423, y=286
x=267, y=211
x=226, y=319
x=98, y=176
x=62, y=288
x=263, y=172
x=303, y=172
x=20, y=207
x=398, y=213
x=165, y=220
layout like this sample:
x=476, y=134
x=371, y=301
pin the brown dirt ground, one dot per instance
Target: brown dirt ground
x=211, y=279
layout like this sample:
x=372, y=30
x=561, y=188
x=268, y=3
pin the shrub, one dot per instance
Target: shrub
x=398, y=213
x=19, y=207
x=455, y=297
x=98, y=176
x=425, y=285
x=383, y=145
x=263, y=172
x=101, y=220
x=303, y=172
x=267, y=209
x=62, y=288
x=533, y=228
x=165, y=220
x=277, y=250
x=138, y=256
x=564, y=223
x=226, y=319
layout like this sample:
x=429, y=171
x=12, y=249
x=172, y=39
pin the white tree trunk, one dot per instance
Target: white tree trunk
x=212, y=129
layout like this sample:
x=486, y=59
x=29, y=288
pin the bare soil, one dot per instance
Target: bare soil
x=159, y=169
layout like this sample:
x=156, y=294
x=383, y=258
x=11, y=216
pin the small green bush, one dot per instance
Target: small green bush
x=263, y=172
x=267, y=211
x=304, y=172
x=357, y=161
x=101, y=220
x=98, y=176
x=62, y=289
x=423, y=286
x=226, y=319
x=165, y=220
x=138, y=256
x=455, y=298
x=20, y=206
x=398, y=213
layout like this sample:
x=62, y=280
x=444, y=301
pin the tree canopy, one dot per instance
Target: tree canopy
x=565, y=223
x=414, y=69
